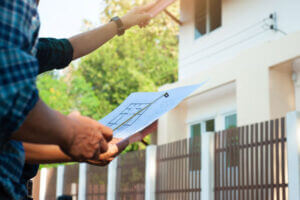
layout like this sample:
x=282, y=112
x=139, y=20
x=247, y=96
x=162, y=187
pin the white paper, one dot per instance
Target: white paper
x=151, y=110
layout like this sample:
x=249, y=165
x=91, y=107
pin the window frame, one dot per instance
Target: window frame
x=207, y=20
x=202, y=124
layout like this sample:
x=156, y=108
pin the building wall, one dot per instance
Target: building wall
x=282, y=90
x=212, y=104
x=256, y=87
x=242, y=28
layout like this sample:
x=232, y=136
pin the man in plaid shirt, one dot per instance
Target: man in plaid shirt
x=26, y=123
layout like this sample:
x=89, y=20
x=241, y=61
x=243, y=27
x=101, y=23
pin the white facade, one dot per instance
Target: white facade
x=244, y=25
x=248, y=66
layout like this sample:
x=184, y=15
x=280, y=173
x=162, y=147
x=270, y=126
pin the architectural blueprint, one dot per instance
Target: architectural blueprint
x=141, y=109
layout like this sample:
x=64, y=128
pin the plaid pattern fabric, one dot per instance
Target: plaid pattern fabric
x=19, y=25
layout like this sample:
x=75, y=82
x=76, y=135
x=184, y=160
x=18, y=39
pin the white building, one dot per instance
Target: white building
x=247, y=50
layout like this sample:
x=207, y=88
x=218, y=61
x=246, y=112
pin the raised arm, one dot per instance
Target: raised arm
x=89, y=41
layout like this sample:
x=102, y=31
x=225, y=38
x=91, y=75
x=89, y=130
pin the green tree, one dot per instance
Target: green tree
x=54, y=92
x=141, y=60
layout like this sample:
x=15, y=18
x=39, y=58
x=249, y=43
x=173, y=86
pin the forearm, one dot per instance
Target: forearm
x=44, y=126
x=89, y=41
x=44, y=154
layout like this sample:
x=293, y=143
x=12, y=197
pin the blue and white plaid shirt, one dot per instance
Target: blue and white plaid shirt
x=19, y=25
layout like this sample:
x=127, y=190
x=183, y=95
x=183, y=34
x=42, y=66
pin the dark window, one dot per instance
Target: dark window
x=210, y=125
x=207, y=16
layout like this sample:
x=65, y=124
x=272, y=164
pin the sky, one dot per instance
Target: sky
x=64, y=18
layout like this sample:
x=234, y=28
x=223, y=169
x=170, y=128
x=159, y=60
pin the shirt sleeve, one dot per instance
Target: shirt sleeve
x=53, y=53
x=18, y=92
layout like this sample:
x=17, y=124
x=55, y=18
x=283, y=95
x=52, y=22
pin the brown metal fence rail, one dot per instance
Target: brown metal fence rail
x=51, y=184
x=131, y=176
x=71, y=178
x=178, y=170
x=250, y=162
x=96, y=182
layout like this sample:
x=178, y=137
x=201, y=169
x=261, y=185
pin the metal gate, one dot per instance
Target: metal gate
x=251, y=162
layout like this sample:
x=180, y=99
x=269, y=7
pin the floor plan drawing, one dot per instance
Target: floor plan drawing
x=127, y=113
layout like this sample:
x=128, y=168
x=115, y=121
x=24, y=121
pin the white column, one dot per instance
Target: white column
x=60, y=180
x=150, y=172
x=82, y=181
x=293, y=154
x=219, y=122
x=112, y=180
x=207, y=166
x=43, y=184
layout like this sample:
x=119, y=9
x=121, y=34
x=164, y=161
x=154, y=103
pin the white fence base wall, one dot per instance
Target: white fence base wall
x=60, y=180
x=150, y=172
x=43, y=184
x=111, y=180
x=82, y=181
x=293, y=154
x=207, y=163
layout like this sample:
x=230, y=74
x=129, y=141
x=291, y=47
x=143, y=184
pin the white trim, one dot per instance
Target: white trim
x=216, y=116
x=201, y=119
x=229, y=112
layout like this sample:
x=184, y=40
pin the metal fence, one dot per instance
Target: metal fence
x=178, y=170
x=250, y=162
x=131, y=176
x=96, y=182
x=71, y=177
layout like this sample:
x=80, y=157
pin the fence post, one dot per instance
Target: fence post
x=293, y=154
x=150, y=172
x=82, y=181
x=112, y=180
x=60, y=180
x=43, y=184
x=207, y=166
